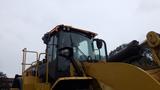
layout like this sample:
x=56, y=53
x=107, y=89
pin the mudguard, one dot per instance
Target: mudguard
x=121, y=76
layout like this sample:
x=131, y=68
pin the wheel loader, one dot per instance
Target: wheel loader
x=76, y=60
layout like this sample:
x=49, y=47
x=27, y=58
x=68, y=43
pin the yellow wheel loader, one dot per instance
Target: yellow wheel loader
x=76, y=60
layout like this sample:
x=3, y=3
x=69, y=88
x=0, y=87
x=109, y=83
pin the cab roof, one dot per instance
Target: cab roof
x=70, y=28
x=59, y=28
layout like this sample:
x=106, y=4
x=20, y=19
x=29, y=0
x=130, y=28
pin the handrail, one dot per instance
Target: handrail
x=24, y=58
x=46, y=66
x=35, y=63
x=24, y=64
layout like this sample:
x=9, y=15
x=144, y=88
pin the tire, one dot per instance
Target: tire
x=17, y=82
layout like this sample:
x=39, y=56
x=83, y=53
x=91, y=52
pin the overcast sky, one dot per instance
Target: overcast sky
x=23, y=23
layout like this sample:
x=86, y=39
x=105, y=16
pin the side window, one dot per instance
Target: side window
x=52, y=48
x=55, y=48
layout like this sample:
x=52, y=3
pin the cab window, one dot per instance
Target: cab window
x=52, y=48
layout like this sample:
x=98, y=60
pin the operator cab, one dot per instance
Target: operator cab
x=85, y=48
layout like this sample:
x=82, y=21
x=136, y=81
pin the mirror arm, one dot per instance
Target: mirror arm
x=105, y=46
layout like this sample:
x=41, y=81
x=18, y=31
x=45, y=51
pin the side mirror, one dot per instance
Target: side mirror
x=66, y=52
x=99, y=43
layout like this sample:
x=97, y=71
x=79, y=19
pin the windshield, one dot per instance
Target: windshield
x=82, y=45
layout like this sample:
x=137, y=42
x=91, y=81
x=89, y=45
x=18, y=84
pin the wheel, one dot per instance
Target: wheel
x=17, y=82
